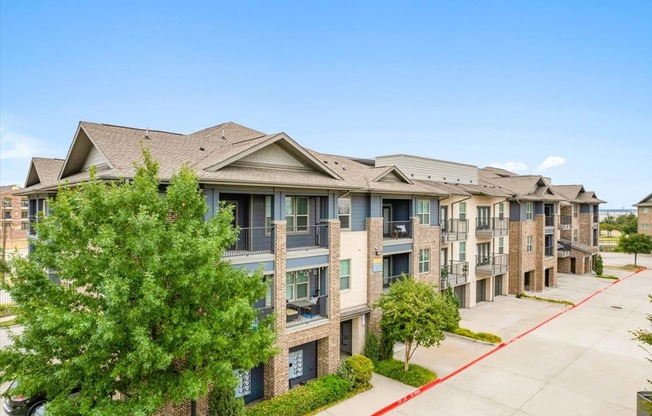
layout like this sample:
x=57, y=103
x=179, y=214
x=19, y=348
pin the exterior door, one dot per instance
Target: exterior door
x=483, y=218
x=460, y=292
x=483, y=254
x=498, y=285
x=345, y=337
x=480, y=288
x=387, y=270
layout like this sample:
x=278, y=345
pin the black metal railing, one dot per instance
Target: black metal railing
x=492, y=226
x=493, y=264
x=387, y=281
x=397, y=229
x=252, y=240
x=548, y=251
x=454, y=274
x=305, y=311
x=550, y=220
x=315, y=236
x=565, y=222
x=563, y=249
x=454, y=230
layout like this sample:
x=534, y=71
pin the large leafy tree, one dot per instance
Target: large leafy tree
x=146, y=308
x=627, y=224
x=635, y=244
x=416, y=314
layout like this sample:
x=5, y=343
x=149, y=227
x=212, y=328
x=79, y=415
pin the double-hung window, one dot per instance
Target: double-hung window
x=345, y=274
x=268, y=214
x=501, y=245
x=423, y=211
x=529, y=211
x=575, y=210
x=501, y=211
x=530, y=243
x=296, y=285
x=424, y=260
x=344, y=213
x=296, y=214
x=462, y=251
x=462, y=210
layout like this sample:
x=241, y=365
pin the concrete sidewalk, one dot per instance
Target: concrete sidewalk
x=581, y=363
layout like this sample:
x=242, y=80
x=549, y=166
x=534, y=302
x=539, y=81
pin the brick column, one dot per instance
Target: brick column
x=276, y=370
x=539, y=250
x=328, y=349
x=516, y=248
x=374, y=279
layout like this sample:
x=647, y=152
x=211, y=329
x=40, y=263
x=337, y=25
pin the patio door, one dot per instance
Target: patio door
x=483, y=218
x=387, y=219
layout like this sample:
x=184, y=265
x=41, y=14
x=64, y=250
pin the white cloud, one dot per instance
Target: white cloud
x=15, y=145
x=551, y=162
x=510, y=166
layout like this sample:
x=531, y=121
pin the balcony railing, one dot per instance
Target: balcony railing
x=306, y=311
x=391, y=279
x=491, y=227
x=454, y=230
x=252, y=240
x=565, y=222
x=549, y=251
x=596, y=218
x=492, y=265
x=454, y=274
x=397, y=229
x=563, y=250
x=315, y=236
x=550, y=220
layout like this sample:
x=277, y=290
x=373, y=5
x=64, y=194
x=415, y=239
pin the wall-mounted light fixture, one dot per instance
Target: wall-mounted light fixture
x=378, y=251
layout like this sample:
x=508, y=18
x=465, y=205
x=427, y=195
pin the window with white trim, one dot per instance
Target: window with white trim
x=501, y=210
x=501, y=245
x=575, y=237
x=462, y=210
x=462, y=251
x=645, y=226
x=645, y=210
x=530, y=244
x=424, y=260
x=344, y=213
x=529, y=211
x=296, y=285
x=575, y=210
x=345, y=274
x=296, y=214
x=423, y=211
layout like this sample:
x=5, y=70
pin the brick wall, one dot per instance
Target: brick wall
x=374, y=279
x=645, y=218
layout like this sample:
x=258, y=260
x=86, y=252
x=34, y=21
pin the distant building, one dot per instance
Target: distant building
x=615, y=213
x=15, y=220
x=645, y=215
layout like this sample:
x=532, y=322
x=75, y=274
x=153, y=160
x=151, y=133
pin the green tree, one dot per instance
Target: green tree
x=147, y=307
x=635, y=244
x=416, y=314
x=598, y=265
x=608, y=227
x=627, y=224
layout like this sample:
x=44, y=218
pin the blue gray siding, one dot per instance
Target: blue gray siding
x=359, y=212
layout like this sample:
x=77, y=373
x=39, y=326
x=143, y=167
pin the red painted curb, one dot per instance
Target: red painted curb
x=500, y=346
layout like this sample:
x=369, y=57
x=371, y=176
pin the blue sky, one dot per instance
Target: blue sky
x=558, y=88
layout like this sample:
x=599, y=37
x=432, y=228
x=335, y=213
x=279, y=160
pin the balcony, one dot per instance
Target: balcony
x=314, y=236
x=252, y=240
x=306, y=311
x=397, y=229
x=563, y=250
x=548, y=251
x=454, y=230
x=550, y=220
x=565, y=222
x=454, y=274
x=491, y=227
x=596, y=218
x=492, y=265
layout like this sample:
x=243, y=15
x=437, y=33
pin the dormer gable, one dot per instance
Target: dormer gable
x=83, y=154
x=392, y=174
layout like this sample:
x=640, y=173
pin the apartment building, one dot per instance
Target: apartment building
x=644, y=212
x=578, y=225
x=14, y=219
x=331, y=232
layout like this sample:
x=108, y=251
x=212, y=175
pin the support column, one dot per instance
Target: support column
x=374, y=279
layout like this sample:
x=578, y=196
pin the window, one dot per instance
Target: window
x=24, y=226
x=23, y=215
x=344, y=212
x=529, y=211
x=575, y=235
x=463, y=251
x=24, y=203
x=268, y=214
x=296, y=285
x=296, y=213
x=345, y=274
x=645, y=226
x=7, y=203
x=501, y=210
x=645, y=210
x=462, y=210
x=530, y=242
x=501, y=245
x=575, y=210
x=424, y=260
x=423, y=211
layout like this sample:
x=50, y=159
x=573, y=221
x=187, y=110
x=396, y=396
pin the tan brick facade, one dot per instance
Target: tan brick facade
x=520, y=261
x=374, y=279
x=645, y=219
x=13, y=219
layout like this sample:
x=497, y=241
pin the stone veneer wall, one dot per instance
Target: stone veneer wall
x=645, y=218
x=426, y=237
x=586, y=229
x=374, y=279
x=520, y=261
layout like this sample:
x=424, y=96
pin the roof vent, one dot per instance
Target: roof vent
x=202, y=149
x=223, y=136
x=147, y=133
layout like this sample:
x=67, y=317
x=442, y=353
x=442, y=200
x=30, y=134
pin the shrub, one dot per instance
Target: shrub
x=361, y=368
x=482, y=336
x=598, y=265
x=386, y=346
x=416, y=375
x=224, y=403
x=303, y=399
x=345, y=374
x=372, y=348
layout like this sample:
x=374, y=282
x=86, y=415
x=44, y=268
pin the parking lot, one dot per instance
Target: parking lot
x=580, y=362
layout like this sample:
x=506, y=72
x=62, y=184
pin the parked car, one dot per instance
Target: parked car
x=20, y=405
